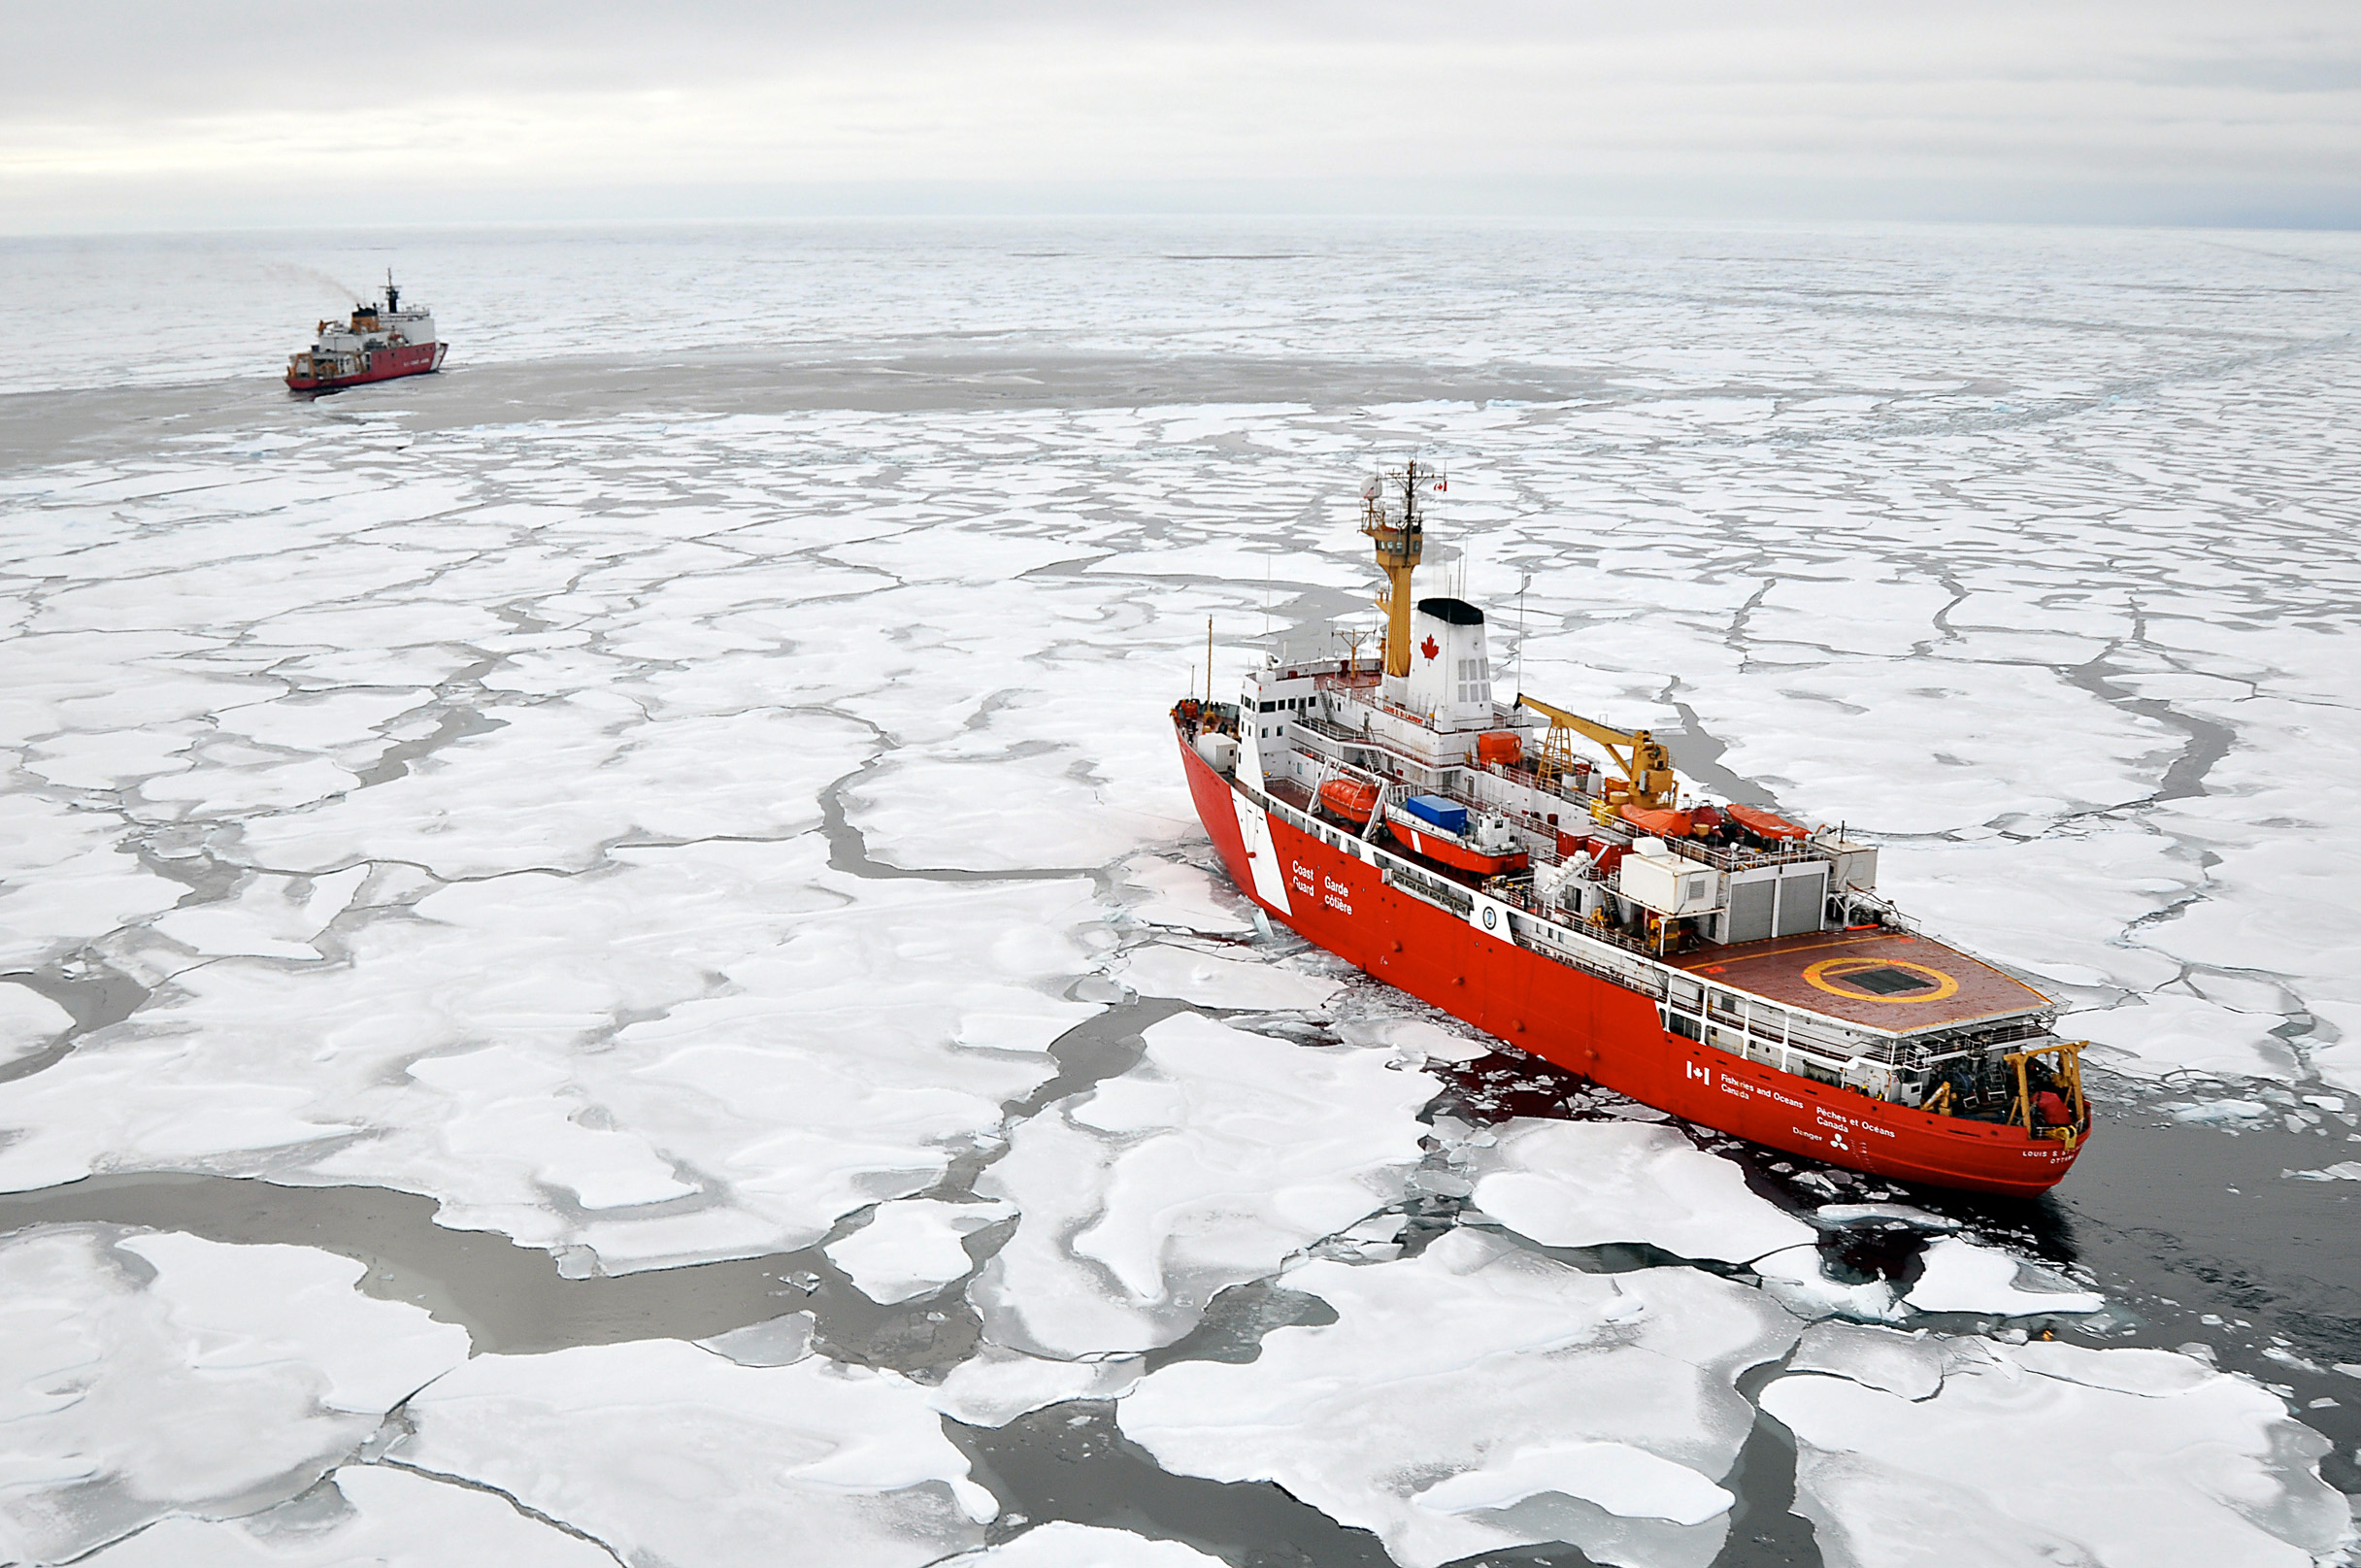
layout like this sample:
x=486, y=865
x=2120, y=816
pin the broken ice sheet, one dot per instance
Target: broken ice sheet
x=66, y=877
x=913, y=1246
x=2053, y=1452
x=1557, y=1405
x=806, y=1044
x=1213, y=980
x=994, y=1386
x=1064, y=1545
x=1186, y=897
x=1586, y=1184
x=124, y=1359
x=269, y=916
x=1961, y=1276
x=996, y=812
x=1206, y=1165
x=1909, y=1366
x=668, y=1452
x=2162, y=1033
x=28, y=1021
x=559, y=782
x=372, y=1515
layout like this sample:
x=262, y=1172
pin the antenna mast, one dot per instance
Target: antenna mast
x=1400, y=536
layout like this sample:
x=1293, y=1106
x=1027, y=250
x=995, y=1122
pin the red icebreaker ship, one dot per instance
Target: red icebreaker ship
x=1721, y=964
x=377, y=346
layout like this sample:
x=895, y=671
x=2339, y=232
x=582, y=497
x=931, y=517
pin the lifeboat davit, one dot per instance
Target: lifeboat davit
x=1765, y=824
x=1352, y=799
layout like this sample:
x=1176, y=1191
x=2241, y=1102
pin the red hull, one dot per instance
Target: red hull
x=383, y=365
x=1607, y=1034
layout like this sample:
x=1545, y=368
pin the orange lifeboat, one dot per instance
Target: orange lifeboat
x=1663, y=825
x=1352, y=799
x=1765, y=824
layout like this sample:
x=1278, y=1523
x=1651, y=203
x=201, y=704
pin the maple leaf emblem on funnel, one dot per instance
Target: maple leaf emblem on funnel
x=1430, y=648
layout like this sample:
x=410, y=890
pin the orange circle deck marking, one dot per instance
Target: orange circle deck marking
x=1818, y=977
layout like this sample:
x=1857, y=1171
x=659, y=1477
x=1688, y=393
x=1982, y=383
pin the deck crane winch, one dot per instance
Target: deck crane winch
x=1647, y=767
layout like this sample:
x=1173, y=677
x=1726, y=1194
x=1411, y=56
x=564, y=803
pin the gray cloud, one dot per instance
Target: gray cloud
x=127, y=115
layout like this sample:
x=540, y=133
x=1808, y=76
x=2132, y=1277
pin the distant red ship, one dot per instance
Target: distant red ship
x=1718, y=962
x=378, y=345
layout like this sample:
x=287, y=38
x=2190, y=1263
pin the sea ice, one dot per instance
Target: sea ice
x=1909, y=1366
x=2162, y=1033
x=1797, y=1277
x=2343, y=1171
x=1206, y=1165
x=1184, y=897
x=28, y=1021
x=269, y=917
x=363, y=1515
x=1063, y=1544
x=996, y=812
x=994, y=1386
x=2051, y=1453
x=733, y=1026
x=1586, y=1184
x=913, y=1246
x=1961, y=1276
x=669, y=1453
x=124, y=1360
x=1479, y=1397
x=1211, y=980
x=65, y=879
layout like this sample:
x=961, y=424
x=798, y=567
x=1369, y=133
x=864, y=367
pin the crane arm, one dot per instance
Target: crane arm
x=1645, y=765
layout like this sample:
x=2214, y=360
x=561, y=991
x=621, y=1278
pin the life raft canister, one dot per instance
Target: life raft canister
x=1500, y=747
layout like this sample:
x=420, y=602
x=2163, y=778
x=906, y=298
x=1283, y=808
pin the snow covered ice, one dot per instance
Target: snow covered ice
x=2054, y=1452
x=706, y=803
x=1209, y=1164
x=1567, y=1184
x=1477, y=1396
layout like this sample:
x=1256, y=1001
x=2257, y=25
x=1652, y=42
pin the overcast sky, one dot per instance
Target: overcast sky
x=167, y=113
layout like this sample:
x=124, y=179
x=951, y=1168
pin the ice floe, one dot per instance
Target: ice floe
x=1586, y=1184
x=1063, y=1544
x=269, y=917
x=1479, y=1397
x=1206, y=1165
x=994, y=1386
x=2159, y=1034
x=2053, y=1452
x=801, y=1044
x=1212, y=980
x=1186, y=897
x=1962, y=1276
x=364, y=1513
x=995, y=813
x=126, y=1357
x=28, y=1021
x=913, y=1246
x=667, y=1453
x=1909, y=1366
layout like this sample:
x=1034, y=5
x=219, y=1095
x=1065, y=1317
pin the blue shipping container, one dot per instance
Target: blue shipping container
x=1448, y=816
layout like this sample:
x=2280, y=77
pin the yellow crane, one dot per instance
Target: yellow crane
x=1647, y=767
